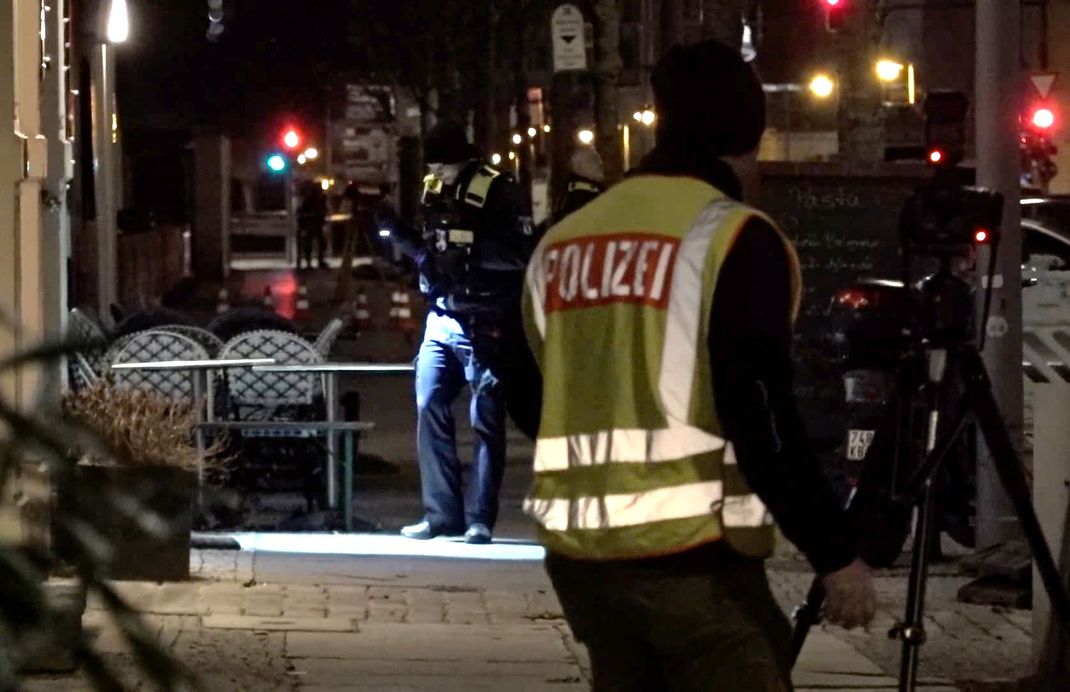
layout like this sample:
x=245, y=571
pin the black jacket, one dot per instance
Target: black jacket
x=750, y=356
x=488, y=280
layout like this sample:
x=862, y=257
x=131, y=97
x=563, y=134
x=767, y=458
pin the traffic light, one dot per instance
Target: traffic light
x=1042, y=118
x=835, y=13
x=291, y=138
x=276, y=163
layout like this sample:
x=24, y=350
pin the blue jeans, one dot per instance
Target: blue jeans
x=451, y=355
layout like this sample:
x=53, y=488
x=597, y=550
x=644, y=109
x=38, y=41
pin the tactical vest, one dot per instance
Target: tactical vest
x=630, y=461
x=449, y=231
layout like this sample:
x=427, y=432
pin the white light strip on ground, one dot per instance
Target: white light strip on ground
x=373, y=545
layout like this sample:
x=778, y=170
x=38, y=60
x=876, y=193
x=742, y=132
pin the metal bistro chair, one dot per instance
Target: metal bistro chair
x=88, y=363
x=212, y=343
x=156, y=345
x=325, y=341
x=274, y=398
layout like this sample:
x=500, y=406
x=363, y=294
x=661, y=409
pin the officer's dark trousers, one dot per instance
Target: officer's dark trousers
x=705, y=620
x=449, y=357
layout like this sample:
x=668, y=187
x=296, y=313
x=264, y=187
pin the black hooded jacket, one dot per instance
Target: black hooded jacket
x=750, y=355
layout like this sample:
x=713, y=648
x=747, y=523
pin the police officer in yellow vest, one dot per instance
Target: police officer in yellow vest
x=668, y=440
x=471, y=254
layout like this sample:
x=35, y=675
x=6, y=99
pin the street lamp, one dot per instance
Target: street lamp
x=517, y=139
x=496, y=159
x=312, y=153
x=822, y=86
x=118, y=22
x=585, y=136
x=302, y=159
x=532, y=132
x=648, y=117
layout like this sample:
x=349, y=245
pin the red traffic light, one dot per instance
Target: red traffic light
x=936, y=157
x=291, y=138
x=835, y=14
x=1043, y=118
x=981, y=236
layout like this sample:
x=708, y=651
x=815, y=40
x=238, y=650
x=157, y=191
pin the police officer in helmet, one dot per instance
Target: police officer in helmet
x=471, y=253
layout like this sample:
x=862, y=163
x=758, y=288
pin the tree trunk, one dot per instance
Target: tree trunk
x=723, y=20
x=861, y=115
x=608, y=66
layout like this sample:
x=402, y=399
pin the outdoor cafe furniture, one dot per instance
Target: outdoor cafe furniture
x=197, y=373
x=330, y=372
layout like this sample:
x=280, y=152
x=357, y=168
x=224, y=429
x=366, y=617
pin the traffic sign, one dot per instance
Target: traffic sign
x=569, y=40
x=1043, y=82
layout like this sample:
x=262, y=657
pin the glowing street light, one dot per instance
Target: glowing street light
x=517, y=139
x=585, y=136
x=512, y=155
x=546, y=129
x=118, y=22
x=637, y=116
x=532, y=132
x=312, y=153
x=648, y=117
x=302, y=159
x=325, y=184
x=822, y=86
x=888, y=70
x=496, y=159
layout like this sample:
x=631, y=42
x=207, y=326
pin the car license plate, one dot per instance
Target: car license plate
x=858, y=442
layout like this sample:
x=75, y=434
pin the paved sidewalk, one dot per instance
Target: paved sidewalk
x=381, y=614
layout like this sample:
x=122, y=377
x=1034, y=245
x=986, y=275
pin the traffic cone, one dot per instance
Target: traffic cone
x=362, y=317
x=268, y=300
x=302, y=301
x=222, y=302
x=401, y=312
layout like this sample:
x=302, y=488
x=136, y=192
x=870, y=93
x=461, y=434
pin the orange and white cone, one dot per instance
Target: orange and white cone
x=401, y=312
x=301, y=305
x=222, y=302
x=362, y=316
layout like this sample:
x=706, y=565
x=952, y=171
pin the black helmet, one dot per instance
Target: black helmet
x=707, y=96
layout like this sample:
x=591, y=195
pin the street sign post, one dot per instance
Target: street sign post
x=569, y=42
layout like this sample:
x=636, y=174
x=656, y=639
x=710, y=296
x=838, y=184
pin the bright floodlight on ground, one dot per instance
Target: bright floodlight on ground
x=585, y=136
x=118, y=22
x=276, y=163
x=496, y=159
x=822, y=86
x=312, y=153
x=888, y=70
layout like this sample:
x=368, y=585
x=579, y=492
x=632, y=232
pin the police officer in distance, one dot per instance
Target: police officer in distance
x=586, y=181
x=470, y=255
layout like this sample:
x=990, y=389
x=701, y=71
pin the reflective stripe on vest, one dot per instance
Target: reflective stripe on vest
x=584, y=186
x=629, y=460
x=479, y=186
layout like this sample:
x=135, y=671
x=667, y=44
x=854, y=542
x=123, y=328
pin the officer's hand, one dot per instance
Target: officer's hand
x=850, y=599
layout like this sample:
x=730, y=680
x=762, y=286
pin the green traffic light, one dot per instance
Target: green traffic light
x=276, y=163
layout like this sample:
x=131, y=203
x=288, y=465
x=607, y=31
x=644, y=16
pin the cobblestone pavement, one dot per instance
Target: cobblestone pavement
x=252, y=621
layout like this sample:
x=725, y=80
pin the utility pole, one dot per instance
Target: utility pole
x=998, y=102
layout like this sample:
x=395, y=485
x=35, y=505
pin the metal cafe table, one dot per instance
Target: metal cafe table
x=198, y=370
x=332, y=426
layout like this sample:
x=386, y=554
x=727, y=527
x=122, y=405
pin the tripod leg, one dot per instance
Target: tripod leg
x=1009, y=467
x=806, y=616
x=912, y=629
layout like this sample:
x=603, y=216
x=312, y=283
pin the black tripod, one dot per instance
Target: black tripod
x=942, y=343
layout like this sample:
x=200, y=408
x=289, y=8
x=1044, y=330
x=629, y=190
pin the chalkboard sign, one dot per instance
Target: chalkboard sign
x=844, y=222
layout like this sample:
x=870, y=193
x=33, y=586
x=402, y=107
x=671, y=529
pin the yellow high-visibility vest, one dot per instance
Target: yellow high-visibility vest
x=630, y=460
